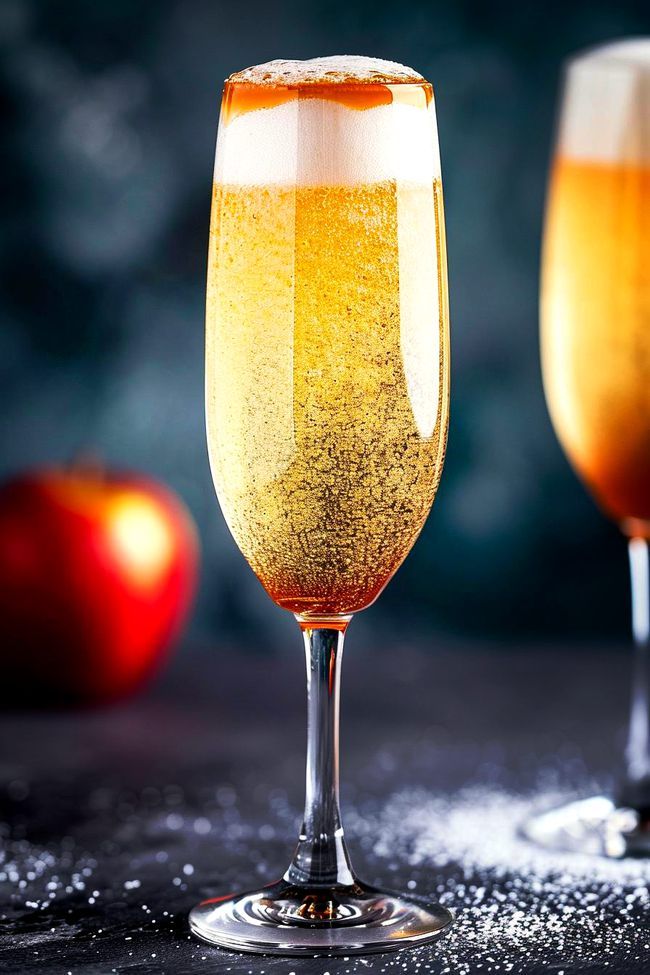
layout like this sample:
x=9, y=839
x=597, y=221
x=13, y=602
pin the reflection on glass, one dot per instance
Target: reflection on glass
x=327, y=391
x=595, y=315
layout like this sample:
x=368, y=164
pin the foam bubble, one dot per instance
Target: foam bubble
x=318, y=142
x=606, y=110
x=337, y=69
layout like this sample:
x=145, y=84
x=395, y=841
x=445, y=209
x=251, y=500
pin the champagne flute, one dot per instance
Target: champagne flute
x=327, y=393
x=595, y=332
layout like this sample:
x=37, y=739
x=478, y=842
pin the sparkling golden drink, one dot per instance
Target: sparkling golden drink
x=327, y=386
x=596, y=328
x=327, y=365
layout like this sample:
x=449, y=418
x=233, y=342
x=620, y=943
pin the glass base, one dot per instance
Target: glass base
x=283, y=919
x=596, y=826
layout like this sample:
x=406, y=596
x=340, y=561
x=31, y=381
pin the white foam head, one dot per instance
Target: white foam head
x=606, y=109
x=336, y=69
x=317, y=141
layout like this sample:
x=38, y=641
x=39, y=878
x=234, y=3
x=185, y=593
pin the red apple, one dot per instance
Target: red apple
x=97, y=576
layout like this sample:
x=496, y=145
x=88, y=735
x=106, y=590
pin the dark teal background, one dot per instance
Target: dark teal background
x=110, y=116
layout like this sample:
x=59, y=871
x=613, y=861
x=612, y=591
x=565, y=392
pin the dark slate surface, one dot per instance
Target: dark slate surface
x=116, y=821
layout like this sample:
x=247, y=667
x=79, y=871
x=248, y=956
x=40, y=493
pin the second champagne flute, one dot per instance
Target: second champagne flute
x=595, y=318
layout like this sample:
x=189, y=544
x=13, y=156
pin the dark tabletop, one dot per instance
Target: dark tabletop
x=114, y=822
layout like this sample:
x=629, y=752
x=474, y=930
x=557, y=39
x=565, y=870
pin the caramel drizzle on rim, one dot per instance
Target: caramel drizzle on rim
x=241, y=97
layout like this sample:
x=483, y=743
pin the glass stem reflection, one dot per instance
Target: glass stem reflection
x=638, y=743
x=321, y=859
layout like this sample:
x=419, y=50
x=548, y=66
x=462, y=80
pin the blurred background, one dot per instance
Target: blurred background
x=110, y=115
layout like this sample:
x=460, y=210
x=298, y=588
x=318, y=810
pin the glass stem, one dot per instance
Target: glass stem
x=638, y=742
x=321, y=858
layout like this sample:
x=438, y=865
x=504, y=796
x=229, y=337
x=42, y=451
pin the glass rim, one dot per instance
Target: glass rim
x=596, y=57
x=322, y=86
